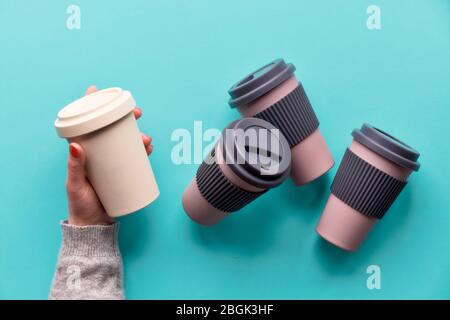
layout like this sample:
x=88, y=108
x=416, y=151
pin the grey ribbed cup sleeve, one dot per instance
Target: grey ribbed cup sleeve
x=293, y=116
x=218, y=190
x=364, y=187
x=89, y=264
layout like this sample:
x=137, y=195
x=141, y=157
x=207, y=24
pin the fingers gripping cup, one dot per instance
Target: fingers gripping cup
x=372, y=173
x=251, y=157
x=117, y=165
x=273, y=93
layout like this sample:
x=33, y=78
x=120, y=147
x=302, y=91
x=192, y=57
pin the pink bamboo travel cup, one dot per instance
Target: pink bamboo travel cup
x=251, y=157
x=117, y=165
x=371, y=175
x=274, y=94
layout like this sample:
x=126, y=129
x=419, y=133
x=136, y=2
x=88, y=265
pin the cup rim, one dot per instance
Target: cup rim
x=387, y=146
x=236, y=157
x=258, y=83
x=77, y=122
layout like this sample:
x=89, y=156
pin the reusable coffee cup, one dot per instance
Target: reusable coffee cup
x=273, y=93
x=372, y=173
x=117, y=165
x=251, y=157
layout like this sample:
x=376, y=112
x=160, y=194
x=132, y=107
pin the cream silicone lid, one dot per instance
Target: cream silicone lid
x=93, y=112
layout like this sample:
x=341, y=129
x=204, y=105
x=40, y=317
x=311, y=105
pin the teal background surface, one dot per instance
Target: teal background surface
x=179, y=58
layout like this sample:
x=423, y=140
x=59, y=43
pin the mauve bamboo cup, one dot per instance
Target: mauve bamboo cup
x=274, y=94
x=251, y=157
x=371, y=175
x=117, y=165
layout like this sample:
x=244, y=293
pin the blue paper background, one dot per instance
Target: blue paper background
x=179, y=58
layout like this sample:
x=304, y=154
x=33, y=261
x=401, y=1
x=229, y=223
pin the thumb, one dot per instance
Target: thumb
x=76, y=167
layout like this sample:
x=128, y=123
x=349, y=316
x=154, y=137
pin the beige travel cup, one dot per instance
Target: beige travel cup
x=274, y=94
x=117, y=165
x=371, y=175
x=251, y=157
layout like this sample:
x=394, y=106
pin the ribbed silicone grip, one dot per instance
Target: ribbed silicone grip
x=364, y=187
x=293, y=116
x=218, y=190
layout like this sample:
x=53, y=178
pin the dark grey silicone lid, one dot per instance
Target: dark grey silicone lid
x=260, y=82
x=258, y=162
x=387, y=146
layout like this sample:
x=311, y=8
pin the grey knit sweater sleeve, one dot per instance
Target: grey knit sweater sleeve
x=89, y=264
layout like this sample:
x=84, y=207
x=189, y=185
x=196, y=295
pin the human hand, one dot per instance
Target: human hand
x=85, y=207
